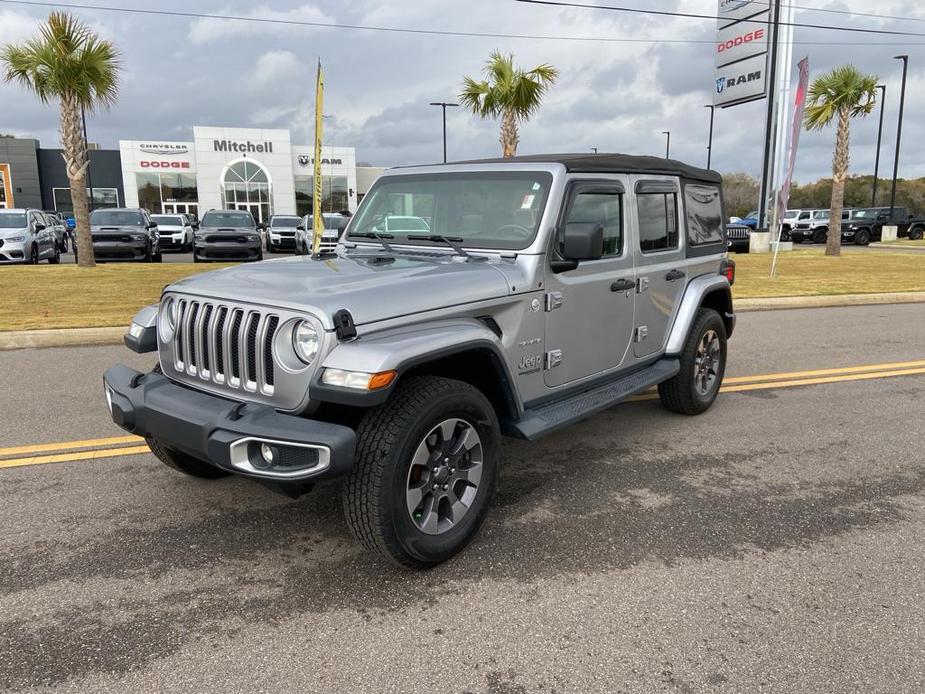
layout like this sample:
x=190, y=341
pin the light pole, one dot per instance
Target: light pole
x=710, y=140
x=899, y=131
x=667, y=134
x=873, y=197
x=443, y=105
x=594, y=149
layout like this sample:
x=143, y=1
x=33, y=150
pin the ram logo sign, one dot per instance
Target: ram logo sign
x=741, y=81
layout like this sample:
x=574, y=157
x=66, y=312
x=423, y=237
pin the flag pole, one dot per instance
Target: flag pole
x=317, y=216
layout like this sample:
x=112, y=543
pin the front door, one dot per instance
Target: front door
x=660, y=267
x=589, y=319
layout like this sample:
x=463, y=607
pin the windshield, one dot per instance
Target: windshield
x=116, y=218
x=484, y=209
x=791, y=214
x=288, y=222
x=12, y=220
x=167, y=220
x=235, y=220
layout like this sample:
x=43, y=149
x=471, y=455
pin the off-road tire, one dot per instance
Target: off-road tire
x=375, y=491
x=915, y=234
x=820, y=235
x=678, y=393
x=861, y=237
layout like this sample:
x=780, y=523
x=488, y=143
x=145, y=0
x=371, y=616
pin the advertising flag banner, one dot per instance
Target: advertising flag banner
x=797, y=127
x=317, y=217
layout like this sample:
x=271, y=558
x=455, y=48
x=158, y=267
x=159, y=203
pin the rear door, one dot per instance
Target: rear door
x=660, y=267
x=589, y=310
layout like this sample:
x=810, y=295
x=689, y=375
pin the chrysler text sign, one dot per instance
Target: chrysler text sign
x=730, y=11
x=742, y=40
x=742, y=81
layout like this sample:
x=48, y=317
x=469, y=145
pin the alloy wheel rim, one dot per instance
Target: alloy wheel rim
x=707, y=361
x=444, y=476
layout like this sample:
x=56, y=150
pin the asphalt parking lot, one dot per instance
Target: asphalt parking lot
x=773, y=544
x=171, y=257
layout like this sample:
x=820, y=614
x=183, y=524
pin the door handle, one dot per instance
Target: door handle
x=623, y=285
x=674, y=275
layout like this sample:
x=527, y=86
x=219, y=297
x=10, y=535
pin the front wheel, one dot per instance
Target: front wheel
x=820, y=235
x=425, y=471
x=56, y=257
x=703, y=363
x=862, y=237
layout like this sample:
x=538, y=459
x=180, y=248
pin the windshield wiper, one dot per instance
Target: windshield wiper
x=381, y=238
x=451, y=241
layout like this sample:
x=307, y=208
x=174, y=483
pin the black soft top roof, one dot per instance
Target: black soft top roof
x=611, y=163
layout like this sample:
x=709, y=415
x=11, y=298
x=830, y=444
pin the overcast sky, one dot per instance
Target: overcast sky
x=616, y=96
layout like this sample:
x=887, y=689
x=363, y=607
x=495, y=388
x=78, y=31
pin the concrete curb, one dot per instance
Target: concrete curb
x=61, y=337
x=785, y=302
x=897, y=247
x=84, y=337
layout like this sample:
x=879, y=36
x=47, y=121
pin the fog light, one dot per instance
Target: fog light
x=268, y=453
x=108, y=392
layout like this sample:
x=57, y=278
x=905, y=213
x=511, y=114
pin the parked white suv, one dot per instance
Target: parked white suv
x=176, y=232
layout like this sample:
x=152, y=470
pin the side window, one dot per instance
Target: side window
x=600, y=206
x=704, y=211
x=658, y=221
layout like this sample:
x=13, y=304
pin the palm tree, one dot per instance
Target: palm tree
x=71, y=64
x=509, y=92
x=844, y=93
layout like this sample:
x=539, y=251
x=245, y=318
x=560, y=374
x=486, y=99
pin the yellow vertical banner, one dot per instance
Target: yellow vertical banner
x=317, y=216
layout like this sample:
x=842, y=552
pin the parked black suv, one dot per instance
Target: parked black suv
x=124, y=233
x=227, y=235
x=867, y=225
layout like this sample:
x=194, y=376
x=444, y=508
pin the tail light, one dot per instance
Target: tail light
x=728, y=270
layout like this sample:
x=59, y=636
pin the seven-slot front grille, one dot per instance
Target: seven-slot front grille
x=737, y=232
x=228, y=345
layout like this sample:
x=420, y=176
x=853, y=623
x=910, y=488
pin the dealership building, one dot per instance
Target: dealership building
x=250, y=169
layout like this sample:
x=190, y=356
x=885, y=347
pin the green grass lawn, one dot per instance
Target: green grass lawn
x=66, y=296
x=904, y=242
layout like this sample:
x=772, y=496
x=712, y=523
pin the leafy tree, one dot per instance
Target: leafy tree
x=842, y=94
x=510, y=93
x=740, y=192
x=71, y=64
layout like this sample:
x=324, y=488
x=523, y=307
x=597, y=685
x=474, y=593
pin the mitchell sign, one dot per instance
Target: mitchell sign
x=246, y=146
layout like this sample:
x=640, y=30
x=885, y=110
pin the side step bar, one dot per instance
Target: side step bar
x=555, y=415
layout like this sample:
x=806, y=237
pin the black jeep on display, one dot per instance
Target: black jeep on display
x=867, y=225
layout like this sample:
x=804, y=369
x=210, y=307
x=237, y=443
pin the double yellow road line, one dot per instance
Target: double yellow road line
x=94, y=449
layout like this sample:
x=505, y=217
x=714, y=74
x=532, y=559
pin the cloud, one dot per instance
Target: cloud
x=16, y=26
x=210, y=30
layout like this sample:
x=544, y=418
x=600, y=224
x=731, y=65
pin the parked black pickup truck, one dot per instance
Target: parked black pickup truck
x=866, y=225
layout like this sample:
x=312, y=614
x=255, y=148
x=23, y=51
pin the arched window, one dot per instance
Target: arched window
x=246, y=186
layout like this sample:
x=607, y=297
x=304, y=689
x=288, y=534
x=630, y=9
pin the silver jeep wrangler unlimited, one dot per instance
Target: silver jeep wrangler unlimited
x=464, y=302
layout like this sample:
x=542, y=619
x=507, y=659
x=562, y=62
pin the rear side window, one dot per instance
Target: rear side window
x=658, y=221
x=704, y=210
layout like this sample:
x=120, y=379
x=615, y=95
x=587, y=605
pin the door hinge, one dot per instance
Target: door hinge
x=553, y=301
x=553, y=358
x=642, y=285
x=642, y=332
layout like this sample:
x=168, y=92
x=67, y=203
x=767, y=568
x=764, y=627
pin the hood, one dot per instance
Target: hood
x=122, y=228
x=169, y=227
x=370, y=289
x=228, y=230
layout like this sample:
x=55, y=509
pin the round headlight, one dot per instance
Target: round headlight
x=168, y=318
x=305, y=342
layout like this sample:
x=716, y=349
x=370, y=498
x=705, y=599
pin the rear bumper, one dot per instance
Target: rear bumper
x=225, y=433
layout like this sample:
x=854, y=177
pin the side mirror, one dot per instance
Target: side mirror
x=300, y=227
x=195, y=227
x=39, y=226
x=583, y=241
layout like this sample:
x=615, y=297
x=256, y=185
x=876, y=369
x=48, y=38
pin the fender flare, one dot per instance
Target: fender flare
x=695, y=293
x=402, y=349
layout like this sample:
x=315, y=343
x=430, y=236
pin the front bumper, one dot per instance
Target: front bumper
x=738, y=245
x=229, y=250
x=226, y=433
x=170, y=242
x=284, y=243
x=800, y=235
x=13, y=252
x=120, y=250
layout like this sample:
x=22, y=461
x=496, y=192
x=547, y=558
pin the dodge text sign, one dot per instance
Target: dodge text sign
x=742, y=40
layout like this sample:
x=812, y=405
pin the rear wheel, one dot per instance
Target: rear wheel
x=425, y=471
x=703, y=363
x=915, y=234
